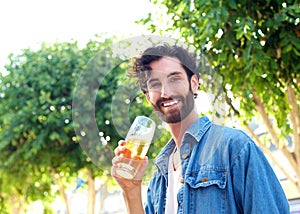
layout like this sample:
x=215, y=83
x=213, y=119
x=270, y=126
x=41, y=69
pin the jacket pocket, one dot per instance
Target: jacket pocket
x=205, y=191
x=208, y=177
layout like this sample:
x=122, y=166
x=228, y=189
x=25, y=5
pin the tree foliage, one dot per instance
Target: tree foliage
x=254, y=46
x=38, y=145
x=36, y=131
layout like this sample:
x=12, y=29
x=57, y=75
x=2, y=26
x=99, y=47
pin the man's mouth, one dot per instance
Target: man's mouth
x=169, y=103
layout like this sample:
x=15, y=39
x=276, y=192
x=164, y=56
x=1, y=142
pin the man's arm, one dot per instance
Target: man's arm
x=256, y=186
x=133, y=200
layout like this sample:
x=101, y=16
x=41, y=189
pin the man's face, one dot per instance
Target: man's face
x=169, y=90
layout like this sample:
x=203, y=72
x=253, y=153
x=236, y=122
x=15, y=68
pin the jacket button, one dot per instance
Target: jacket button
x=182, y=180
x=183, y=156
x=204, y=179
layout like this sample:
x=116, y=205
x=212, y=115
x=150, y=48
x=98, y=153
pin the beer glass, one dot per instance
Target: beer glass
x=138, y=140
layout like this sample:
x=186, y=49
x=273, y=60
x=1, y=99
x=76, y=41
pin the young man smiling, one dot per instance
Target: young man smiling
x=204, y=168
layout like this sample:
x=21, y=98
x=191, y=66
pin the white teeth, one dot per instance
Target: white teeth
x=170, y=103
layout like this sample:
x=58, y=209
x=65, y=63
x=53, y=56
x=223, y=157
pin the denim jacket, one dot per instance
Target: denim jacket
x=223, y=171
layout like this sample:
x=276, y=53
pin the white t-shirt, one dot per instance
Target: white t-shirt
x=174, y=183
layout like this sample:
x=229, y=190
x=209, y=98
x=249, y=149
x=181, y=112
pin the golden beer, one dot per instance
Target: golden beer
x=138, y=141
x=138, y=147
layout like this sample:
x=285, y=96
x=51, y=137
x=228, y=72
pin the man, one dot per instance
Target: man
x=204, y=168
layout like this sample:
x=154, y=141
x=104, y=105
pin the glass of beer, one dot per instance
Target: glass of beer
x=138, y=140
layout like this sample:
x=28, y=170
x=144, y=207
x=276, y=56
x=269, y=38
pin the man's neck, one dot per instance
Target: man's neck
x=178, y=129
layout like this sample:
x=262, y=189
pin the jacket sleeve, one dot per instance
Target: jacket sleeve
x=149, y=209
x=256, y=187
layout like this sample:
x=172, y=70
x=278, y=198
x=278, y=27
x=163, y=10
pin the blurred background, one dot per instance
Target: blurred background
x=248, y=54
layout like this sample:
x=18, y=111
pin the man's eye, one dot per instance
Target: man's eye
x=174, y=79
x=154, y=85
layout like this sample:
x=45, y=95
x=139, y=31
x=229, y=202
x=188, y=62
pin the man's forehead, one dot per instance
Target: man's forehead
x=167, y=59
x=166, y=65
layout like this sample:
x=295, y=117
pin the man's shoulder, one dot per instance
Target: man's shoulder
x=230, y=133
x=230, y=139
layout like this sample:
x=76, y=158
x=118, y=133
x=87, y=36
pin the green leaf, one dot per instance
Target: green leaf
x=232, y=4
x=287, y=48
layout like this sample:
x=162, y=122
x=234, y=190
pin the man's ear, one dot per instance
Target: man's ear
x=147, y=96
x=194, y=83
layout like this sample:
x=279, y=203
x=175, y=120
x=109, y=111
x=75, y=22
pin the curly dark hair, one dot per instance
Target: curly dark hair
x=141, y=65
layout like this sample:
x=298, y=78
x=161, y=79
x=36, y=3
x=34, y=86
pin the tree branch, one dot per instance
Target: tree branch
x=61, y=189
x=261, y=110
x=275, y=140
x=295, y=120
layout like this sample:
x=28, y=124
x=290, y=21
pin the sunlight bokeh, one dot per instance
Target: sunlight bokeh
x=29, y=23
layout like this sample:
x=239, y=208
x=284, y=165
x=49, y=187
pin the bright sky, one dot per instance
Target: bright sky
x=28, y=23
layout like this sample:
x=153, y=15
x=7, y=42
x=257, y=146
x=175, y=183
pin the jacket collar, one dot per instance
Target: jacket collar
x=193, y=135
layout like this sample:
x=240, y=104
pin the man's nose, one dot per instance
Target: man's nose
x=165, y=91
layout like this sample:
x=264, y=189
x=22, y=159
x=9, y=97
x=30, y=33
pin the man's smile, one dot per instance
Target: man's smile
x=169, y=103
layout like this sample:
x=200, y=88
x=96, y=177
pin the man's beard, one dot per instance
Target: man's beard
x=175, y=115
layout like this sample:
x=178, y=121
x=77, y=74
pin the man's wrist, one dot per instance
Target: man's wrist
x=133, y=200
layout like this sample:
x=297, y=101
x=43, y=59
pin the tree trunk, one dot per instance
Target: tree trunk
x=295, y=122
x=291, y=157
x=91, y=192
x=17, y=203
x=62, y=192
x=103, y=190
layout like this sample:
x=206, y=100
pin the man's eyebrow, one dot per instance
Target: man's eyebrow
x=174, y=73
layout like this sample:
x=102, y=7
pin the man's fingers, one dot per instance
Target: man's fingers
x=121, y=142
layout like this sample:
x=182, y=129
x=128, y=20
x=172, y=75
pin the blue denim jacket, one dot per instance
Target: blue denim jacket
x=223, y=171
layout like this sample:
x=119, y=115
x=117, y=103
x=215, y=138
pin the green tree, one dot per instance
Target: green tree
x=35, y=111
x=38, y=145
x=255, y=47
x=45, y=95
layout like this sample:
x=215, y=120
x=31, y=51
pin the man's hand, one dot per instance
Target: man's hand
x=132, y=188
x=123, y=155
